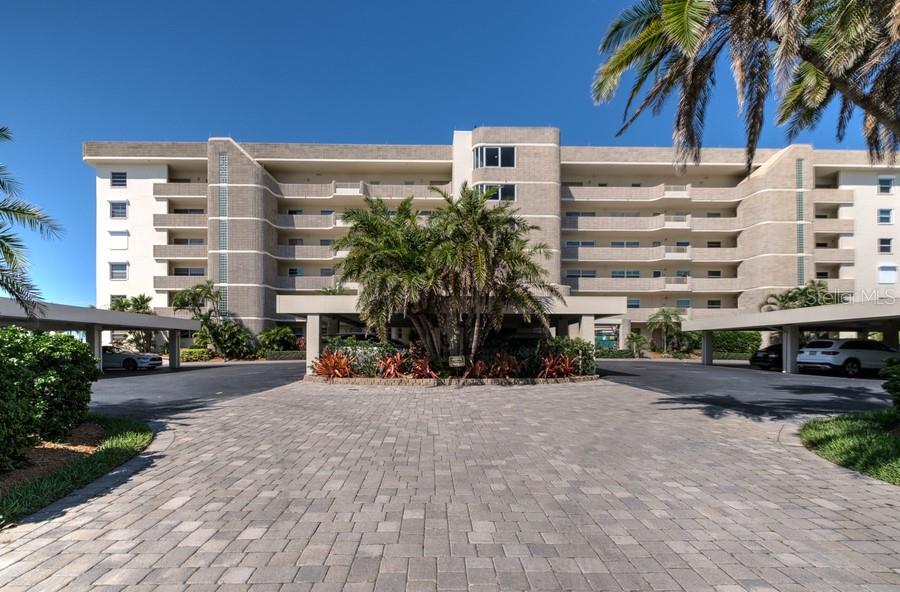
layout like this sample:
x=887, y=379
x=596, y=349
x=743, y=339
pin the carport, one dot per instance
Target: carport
x=861, y=317
x=93, y=321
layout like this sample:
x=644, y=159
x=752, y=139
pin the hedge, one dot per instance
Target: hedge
x=194, y=354
x=45, y=388
x=718, y=355
x=744, y=342
x=285, y=355
x=615, y=353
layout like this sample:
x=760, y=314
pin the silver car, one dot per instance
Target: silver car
x=116, y=357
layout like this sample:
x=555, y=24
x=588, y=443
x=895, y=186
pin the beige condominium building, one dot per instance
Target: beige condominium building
x=628, y=234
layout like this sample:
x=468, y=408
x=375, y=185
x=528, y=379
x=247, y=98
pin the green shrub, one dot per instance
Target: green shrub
x=720, y=355
x=277, y=339
x=285, y=355
x=583, y=352
x=891, y=372
x=743, y=342
x=194, y=354
x=17, y=418
x=235, y=341
x=615, y=353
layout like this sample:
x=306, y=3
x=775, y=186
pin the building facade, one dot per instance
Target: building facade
x=259, y=220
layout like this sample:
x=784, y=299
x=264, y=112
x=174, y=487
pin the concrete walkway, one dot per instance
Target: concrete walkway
x=592, y=486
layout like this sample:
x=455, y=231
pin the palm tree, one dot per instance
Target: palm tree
x=666, y=320
x=142, y=339
x=816, y=50
x=813, y=293
x=14, y=277
x=781, y=301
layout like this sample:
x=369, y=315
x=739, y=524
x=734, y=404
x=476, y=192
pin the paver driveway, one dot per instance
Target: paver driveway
x=591, y=486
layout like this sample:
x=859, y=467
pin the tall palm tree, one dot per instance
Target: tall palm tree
x=781, y=301
x=817, y=51
x=14, y=277
x=813, y=293
x=142, y=339
x=667, y=321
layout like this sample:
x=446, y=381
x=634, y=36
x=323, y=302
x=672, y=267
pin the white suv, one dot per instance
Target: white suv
x=851, y=356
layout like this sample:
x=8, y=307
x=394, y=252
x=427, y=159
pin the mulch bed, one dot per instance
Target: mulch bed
x=46, y=457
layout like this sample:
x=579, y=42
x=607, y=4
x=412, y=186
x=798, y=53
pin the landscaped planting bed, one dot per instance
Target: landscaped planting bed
x=450, y=381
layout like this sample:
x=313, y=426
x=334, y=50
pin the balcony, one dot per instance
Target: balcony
x=833, y=225
x=180, y=221
x=360, y=189
x=310, y=221
x=642, y=315
x=168, y=311
x=177, y=282
x=302, y=252
x=699, y=284
x=611, y=254
x=701, y=224
x=654, y=193
x=179, y=251
x=167, y=190
x=647, y=223
x=714, y=254
x=842, y=285
x=824, y=255
x=835, y=196
x=615, y=284
x=677, y=253
x=299, y=283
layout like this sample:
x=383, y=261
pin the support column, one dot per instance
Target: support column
x=94, y=337
x=586, y=328
x=174, y=349
x=313, y=337
x=334, y=326
x=624, y=330
x=891, y=334
x=706, y=348
x=790, y=345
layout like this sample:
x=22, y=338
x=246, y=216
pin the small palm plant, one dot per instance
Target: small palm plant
x=14, y=211
x=667, y=321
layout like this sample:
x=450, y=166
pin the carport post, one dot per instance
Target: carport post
x=586, y=328
x=706, y=348
x=313, y=336
x=790, y=345
x=94, y=337
x=624, y=330
x=174, y=349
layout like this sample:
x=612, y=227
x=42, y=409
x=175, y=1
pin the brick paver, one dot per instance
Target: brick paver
x=590, y=486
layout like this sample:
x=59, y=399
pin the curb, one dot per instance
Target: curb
x=432, y=382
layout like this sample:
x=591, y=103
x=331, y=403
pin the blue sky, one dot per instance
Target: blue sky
x=338, y=71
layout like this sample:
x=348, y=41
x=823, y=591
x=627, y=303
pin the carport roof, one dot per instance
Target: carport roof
x=851, y=317
x=63, y=317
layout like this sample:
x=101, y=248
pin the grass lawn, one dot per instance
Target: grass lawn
x=868, y=442
x=123, y=439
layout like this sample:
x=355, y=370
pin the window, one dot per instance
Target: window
x=885, y=246
x=885, y=185
x=502, y=192
x=581, y=214
x=409, y=182
x=188, y=211
x=325, y=242
x=118, y=271
x=295, y=212
x=683, y=303
x=295, y=242
x=189, y=271
x=624, y=214
x=295, y=271
x=326, y=272
x=580, y=243
x=118, y=209
x=821, y=216
x=187, y=241
x=682, y=243
x=657, y=273
x=886, y=216
x=713, y=244
x=682, y=273
x=713, y=273
x=713, y=304
x=887, y=274
x=821, y=275
x=625, y=244
x=635, y=184
x=118, y=240
x=326, y=212
x=625, y=273
x=633, y=303
x=116, y=298
x=821, y=245
x=118, y=179
x=713, y=214
x=581, y=273
x=495, y=156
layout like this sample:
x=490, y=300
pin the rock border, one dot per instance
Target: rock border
x=431, y=382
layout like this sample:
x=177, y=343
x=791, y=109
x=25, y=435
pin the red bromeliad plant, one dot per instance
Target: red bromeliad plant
x=557, y=366
x=504, y=365
x=421, y=364
x=333, y=364
x=391, y=366
x=477, y=370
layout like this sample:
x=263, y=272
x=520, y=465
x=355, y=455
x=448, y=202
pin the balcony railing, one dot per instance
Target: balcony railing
x=179, y=251
x=308, y=221
x=177, y=282
x=577, y=193
x=361, y=188
x=843, y=285
x=833, y=225
x=300, y=252
x=611, y=254
x=180, y=189
x=825, y=255
x=715, y=254
x=838, y=196
x=701, y=284
x=312, y=282
x=180, y=220
x=168, y=311
x=643, y=223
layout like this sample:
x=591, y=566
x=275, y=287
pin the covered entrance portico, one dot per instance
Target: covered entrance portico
x=93, y=321
x=883, y=317
x=574, y=318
